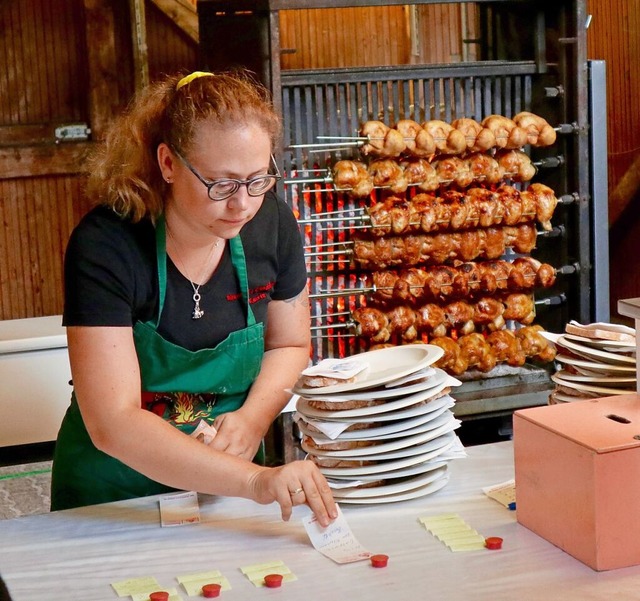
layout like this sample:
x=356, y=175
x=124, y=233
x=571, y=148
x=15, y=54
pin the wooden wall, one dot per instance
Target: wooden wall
x=70, y=61
x=61, y=62
x=614, y=36
x=383, y=35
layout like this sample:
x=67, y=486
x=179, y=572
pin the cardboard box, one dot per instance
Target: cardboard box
x=577, y=471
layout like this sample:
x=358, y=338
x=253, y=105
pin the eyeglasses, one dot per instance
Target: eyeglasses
x=223, y=188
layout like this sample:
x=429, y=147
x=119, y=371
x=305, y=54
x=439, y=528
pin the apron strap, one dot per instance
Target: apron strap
x=240, y=264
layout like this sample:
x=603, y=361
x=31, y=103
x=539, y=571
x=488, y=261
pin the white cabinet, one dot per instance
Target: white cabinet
x=34, y=379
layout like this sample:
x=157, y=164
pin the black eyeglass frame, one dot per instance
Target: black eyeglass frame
x=210, y=183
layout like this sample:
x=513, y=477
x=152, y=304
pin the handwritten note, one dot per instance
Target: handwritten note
x=504, y=493
x=336, y=541
x=179, y=509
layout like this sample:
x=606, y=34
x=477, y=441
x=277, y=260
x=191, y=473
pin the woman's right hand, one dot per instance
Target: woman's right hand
x=296, y=483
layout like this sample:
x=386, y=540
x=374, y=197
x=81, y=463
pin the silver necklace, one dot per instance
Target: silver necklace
x=197, y=311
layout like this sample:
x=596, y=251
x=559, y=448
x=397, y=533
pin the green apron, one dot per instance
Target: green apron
x=181, y=386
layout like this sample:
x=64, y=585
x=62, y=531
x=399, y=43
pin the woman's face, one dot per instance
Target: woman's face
x=235, y=151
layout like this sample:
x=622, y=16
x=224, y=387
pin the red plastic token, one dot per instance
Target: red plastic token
x=211, y=590
x=379, y=561
x=159, y=596
x=493, y=542
x=273, y=580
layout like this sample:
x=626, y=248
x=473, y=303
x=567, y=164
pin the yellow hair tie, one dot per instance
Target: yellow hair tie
x=189, y=78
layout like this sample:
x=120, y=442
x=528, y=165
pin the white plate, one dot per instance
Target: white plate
x=617, y=382
x=387, y=466
x=414, y=470
x=446, y=435
x=390, y=489
x=384, y=393
x=390, y=430
x=588, y=388
x=377, y=451
x=385, y=365
x=302, y=405
x=423, y=491
x=434, y=405
x=589, y=352
x=602, y=368
x=567, y=398
x=445, y=419
x=614, y=346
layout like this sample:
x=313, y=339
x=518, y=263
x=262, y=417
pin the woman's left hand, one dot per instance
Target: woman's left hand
x=237, y=435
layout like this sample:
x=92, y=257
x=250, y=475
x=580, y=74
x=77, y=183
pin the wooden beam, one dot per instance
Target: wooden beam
x=104, y=101
x=139, y=38
x=44, y=159
x=625, y=192
x=183, y=13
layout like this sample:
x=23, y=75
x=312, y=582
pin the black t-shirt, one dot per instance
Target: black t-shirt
x=111, y=276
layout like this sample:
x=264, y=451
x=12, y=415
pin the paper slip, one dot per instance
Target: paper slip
x=504, y=493
x=330, y=429
x=173, y=594
x=336, y=541
x=179, y=509
x=193, y=583
x=342, y=369
x=338, y=484
x=256, y=573
x=454, y=532
x=204, y=432
x=133, y=586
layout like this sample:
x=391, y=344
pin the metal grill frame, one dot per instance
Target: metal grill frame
x=539, y=66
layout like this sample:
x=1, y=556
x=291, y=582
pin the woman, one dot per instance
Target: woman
x=185, y=304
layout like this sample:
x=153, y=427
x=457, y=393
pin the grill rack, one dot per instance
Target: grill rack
x=532, y=57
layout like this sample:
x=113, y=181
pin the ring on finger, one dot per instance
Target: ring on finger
x=296, y=491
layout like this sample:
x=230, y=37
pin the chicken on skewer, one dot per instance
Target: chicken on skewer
x=358, y=179
x=539, y=132
x=382, y=140
x=354, y=177
x=419, y=142
x=416, y=285
x=474, y=351
x=379, y=324
x=421, y=173
x=455, y=210
x=448, y=139
x=477, y=137
x=517, y=164
x=489, y=243
x=507, y=133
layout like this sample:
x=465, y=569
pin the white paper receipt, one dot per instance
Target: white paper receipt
x=336, y=541
x=179, y=509
x=341, y=369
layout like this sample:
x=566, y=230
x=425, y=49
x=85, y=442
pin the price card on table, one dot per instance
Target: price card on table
x=336, y=541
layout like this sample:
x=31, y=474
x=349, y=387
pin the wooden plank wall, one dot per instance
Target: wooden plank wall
x=49, y=76
x=38, y=211
x=363, y=37
x=614, y=36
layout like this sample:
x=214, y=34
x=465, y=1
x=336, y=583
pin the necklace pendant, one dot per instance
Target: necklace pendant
x=197, y=311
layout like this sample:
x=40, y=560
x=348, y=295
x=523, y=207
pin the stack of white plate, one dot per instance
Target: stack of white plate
x=592, y=367
x=395, y=448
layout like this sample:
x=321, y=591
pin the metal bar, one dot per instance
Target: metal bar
x=599, y=191
x=407, y=72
